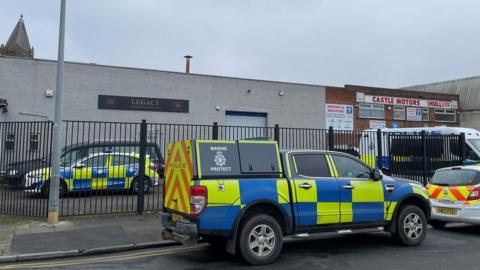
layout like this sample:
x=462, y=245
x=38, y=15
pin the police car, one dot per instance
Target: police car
x=100, y=171
x=455, y=195
x=246, y=196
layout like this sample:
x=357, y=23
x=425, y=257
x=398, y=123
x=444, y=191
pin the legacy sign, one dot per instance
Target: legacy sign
x=411, y=102
x=142, y=104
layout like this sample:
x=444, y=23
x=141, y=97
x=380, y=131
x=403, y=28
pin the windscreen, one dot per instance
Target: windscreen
x=462, y=177
x=475, y=143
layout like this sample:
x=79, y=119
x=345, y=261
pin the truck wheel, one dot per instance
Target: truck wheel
x=61, y=192
x=134, y=185
x=437, y=224
x=411, y=226
x=261, y=240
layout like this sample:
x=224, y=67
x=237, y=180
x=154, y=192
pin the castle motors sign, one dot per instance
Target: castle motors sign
x=413, y=102
x=107, y=102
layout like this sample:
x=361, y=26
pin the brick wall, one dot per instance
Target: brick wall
x=347, y=95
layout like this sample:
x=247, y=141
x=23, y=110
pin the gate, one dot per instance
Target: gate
x=24, y=146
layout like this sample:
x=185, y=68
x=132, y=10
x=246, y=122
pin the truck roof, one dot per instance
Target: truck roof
x=469, y=132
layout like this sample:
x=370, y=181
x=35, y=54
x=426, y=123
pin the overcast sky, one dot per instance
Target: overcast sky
x=332, y=42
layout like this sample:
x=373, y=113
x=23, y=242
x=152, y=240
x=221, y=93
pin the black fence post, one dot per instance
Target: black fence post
x=215, y=131
x=379, y=150
x=463, y=154
x=141, y=167
x=276, y=133
x=331, y=142
x=424, y=157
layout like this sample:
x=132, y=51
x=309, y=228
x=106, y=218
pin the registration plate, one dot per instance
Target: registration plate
x=176, y=217
x=446, y=211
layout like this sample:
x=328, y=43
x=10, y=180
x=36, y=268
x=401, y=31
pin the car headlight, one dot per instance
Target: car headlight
x=36, y=176
x=32, y=178
x=12, y=172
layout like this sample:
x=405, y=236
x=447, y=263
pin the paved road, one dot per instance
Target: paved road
x=15, y=201
x=456, y=247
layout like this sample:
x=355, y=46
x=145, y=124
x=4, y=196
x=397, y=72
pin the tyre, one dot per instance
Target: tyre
x=134, y=186
x=411, y=226
x=46, y=189
x=437, y=224
x=261, y=240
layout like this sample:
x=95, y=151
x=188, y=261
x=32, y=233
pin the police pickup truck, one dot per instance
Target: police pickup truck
x=247, y=196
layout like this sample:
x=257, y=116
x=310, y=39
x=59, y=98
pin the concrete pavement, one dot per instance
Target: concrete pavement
x=22, y=237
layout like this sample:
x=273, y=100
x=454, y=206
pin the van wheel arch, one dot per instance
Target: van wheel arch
x=270, y=208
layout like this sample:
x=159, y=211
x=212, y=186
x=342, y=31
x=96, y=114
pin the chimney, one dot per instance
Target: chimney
x=187, y=63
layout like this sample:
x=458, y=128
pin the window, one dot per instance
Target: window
x=311, y=165
x=399, y=112
x=150, y=150
x=98, y=161
x=425, y=114
x=119, y=160
x=445, y=115
x=71, y=157
x=456, y=178
x=33, y=145
x=371, y=111
x=219, y=159
x=10, y=142
x=351, y=168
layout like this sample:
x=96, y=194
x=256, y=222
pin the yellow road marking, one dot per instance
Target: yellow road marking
x=106, y=259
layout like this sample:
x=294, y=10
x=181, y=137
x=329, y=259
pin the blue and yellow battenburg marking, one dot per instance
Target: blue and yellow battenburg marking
x=97, y=178
x=226, y=198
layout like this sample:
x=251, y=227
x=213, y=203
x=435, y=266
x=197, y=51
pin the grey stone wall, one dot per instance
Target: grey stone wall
x=24, y=82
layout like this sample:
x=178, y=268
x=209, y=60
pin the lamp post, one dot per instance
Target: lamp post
x=53, y=199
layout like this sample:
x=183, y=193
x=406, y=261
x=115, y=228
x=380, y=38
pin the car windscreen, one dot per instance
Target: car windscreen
x=475, y=143
x=456, y=177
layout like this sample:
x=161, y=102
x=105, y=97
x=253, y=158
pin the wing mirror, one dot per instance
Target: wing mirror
x=377, y=175
x=79, y=166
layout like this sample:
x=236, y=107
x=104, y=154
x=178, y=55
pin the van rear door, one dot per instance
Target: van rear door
x=178, y=177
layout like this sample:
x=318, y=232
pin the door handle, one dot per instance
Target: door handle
x=305, y=186
x=389, y=188
x=348, y=186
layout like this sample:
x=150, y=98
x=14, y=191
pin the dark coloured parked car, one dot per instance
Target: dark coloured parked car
x=15, y=171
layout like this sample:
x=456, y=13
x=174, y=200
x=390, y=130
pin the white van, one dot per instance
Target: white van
x=406, y=146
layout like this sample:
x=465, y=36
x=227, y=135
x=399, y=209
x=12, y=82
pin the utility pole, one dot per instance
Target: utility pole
x=53, y=199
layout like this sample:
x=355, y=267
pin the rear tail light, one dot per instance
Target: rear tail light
x=474, y=195
x=198, y=199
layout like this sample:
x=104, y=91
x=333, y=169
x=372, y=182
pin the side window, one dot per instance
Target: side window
x=97, y=150
x=119, y=160
x=351, y=168
x=152, y=153
x=311, y=165
x=71, y=157
x=97, y=161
